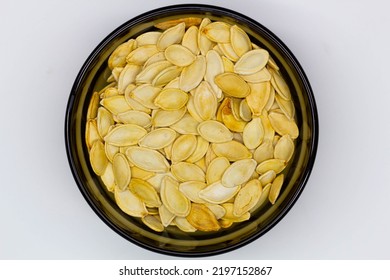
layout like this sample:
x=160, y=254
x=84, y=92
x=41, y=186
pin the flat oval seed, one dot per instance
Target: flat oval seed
x=217, y=193
x=214, y=67
x=264, y=151
x=251, y=62
x=286, y=106
x=214, y=131
x=186, y=125
x=158, y=138
x=167, y=75
x=93, y=106
x=258, y=97
x=232, y=150
x=216, y=169
x=228, y=51
x=147, y=159
x=228, y=65
x=190, y=40
x=232, y=85
x=188, y=21
x=118, y=56
x=192, y=75
x=283, y=125
x=205, y=101
x=130, y=203
x=247, y=197
x=275, y=188
x=263, y=198
x=122, y=172
x=139, y=173
x=192, y=110
x=230, y=120
x=153, y=222
x=171, y=99
x=98, y=158
x=135, y=117
x=191, y=190
x=245, y=111
x=110, y=150
x=164, y=118
x=284, y=148
x=253, y=133
x=267, y=177
x=280, y=85
x=261, y=76
x=125, y=135
x=91, y=133
x=115, y=104
x=200, y=150
x=204, y=43
x=172, y=35
x=185, y=171
x=218, y=32
x=179, y=55
x=269, y=131
x=183, y=147
x=184, y=225
x=240, y=40
x=145, y=192
x=108, y=178
x=157, y=57
x=166, y=216
x=141, y=54
x=238, y=173
x=229, y=208
x=276, y=165
x=148, y=38
x=149, y=73
x=175, y=201
x=217, y=210
x=201, y=218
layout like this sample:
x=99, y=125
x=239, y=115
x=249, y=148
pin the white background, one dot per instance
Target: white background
x=344, y=48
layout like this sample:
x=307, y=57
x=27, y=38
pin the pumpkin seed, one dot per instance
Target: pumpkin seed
x=232, y=85
x=229, y=208
x=183, y=147
x=130, y=203
x=93, y=106
x=135, y=117
x=229, y=120
x=214, y=132
x=276, y=165
x=253, y=133
x=244, y=111
x=188, y=21
x=191, y=190
x=125, y=135
x=104, y=121
x=284, y=148
x=118, y=56
x=264, y=151
x=145, y=192
x=275, y=188
x=149, y=73
x=217, y=193
x=228, y=65
x=167, y=75
x=267, y=177
x=205, y=101
x=283, y=125
x=238, y=173
x=170, y=36
x=186, y=125
x=214, y=67
x=110, y=150
x=115, y=104
x=216, y=169
x=192, y=110
x=140, y=173
x=217, y=210
x=98, y=158
x=203, y=42
x=247, y=197
x=269, y=131
x=174, y=200
x=91, y=133
x=158, y=138
x=165, y=215
x=157, y=57
x=148, y=38
x=228, y=51
x=192, y=75
x=171, y=99
x=179, y=55
x=164, y=118
x=153, y=222
x=280, y=85
x=185, y=171
x=232, y=150
x=240, y=40
x=286, y=106
x=108, y=178
x=147, y=159
x=218, y=32
x=263, y=198
x=122, y=172
x=200, y=150
x=258, y=97
x=251, y=62
x=201, y=218
x=190, y=40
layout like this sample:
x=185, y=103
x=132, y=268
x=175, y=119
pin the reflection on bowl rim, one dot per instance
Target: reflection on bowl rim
x=271, y=39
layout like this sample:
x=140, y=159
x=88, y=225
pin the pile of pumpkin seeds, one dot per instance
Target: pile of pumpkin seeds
x=194, y=128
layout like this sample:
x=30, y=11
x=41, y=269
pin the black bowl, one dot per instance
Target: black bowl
x=92, y=77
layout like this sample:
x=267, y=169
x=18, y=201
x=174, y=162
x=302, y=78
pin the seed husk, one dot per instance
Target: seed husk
x=264, y=151
x=284, y=148
x=205, y=101
x=251, y=62
x=263, y=198
x=232, y=150
x=98, y=158
x=147, y=159
x=228, y=51
x=185, y=171
x=245, y=111
x=122, y=172
x=228, y=65
x=217, y=193
x=93, y=106
x=275, y=188
x=286, y=106
x=183, y=147
x=232, y=85
x=253, y=133
x=214, y=132
x=190, y=40
x=240, y=40
x=104, y=121
x=218, y=32
x=174, y=200
x=229, y=208
x=135, y=117
x=267, y=177
x=148, y=38
x=170, y=36
x=283, y=125
x=167, y=75
x=91, y=133
x=140, y=173
x=149, y=73
x=158, y=138
x=217, y=210
x=184, y=225
x=163, y=118
x=125, y=135
x=141, y=54
x=247, y=197
x=204, y=43
x=238, y=173
x=258, y=97
x=201, y=218
x=145, y=192
x=179, y=55
x=192, y=75
x=280, y=85
x=129, y=203
x=171, y=99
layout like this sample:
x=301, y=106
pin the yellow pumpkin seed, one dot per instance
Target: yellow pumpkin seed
x=258, y=97
x=204, y=43
x=276, y=165
x=192, y=75
x=184, y=225
x=267, y=177
x=115, y=104
x=214, y=132
x=183, y=147
x=240, y=40
x=216, y=169
x=217, y=193
x=167, y=75
x=284, y=148
x=190, y=40
x=174, y=200
x=108, y=178
x=264, y=151
x=93, y=106
x=205, y=101
x=118, y=56
x=263, y=198
x=286, y=106
x=98, y=158
x=191, y=190
x=201, y=218
x=157, y=57
x=217, y=210
x=244, y=111
x=149, y=73
x=200, y=150
x=229, y=208
x=158, y=138
x=130, y=203
x=251, y=62
x=125, y=135
x=163, y=118
x=228, y=51
x=214, y=67
x=192, y=110
x=135, y=117
x=186, y=125
x=153, y=222
x=91, y=133
x=145, y=192
x=238, y=173
x=217, y=31
x=179, y=55
x=139, y=173
x=275, y=188
x=147, y=159
x=232, y=85
x=253, y=133
x=283, y=125
x=280, y=85
x=188, y=21
x=185, y=171
x=122, y=172
x=171, y=99
x=165, y=215
x=148, y=38
x=170, y=36
x=104, y=121
x=232, y=150
x=228, y=65
x=247, y=197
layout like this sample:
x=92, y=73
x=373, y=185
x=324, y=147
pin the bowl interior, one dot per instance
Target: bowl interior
x=93, y=76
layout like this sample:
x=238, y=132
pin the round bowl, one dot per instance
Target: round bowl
x=92, y=77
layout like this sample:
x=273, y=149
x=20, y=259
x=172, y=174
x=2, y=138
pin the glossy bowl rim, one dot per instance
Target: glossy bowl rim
x=312, y=150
